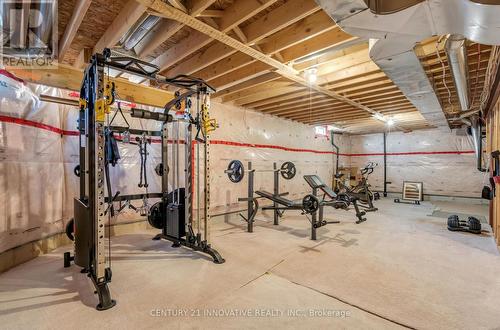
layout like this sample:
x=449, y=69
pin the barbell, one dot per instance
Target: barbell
x=236, y=171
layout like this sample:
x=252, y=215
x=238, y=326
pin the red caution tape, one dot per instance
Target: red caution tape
x=30, y=123
x=11, y=76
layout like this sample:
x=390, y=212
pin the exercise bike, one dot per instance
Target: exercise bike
x=361, y=191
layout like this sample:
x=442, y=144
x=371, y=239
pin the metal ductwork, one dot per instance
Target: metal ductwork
x=456, y=52
x=393, y=37
x=476, y=128
x=139, y=31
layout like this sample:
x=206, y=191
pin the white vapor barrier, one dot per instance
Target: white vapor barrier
x=443, y=160
x=39, y=150
x=264, y=140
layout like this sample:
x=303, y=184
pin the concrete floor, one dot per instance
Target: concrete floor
x=401, y=268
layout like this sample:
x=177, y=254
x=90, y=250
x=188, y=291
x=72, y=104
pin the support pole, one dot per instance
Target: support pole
x=385, y=164
x=314, y=217
x=276, y=193
x=250, y=198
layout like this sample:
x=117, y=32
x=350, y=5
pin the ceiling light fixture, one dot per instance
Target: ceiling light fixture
x=311, y=75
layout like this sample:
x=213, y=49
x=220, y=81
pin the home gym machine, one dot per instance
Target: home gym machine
x=174, y=213
x=236, y=171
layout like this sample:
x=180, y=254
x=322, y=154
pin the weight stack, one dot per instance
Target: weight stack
x=176, y=223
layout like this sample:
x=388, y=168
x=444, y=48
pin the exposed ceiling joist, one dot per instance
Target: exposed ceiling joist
x=72, y=27
x=166, y=28
x=289, y=13
x=128, y=16
x=286, y=71
x=271, y=76
x=235, y=14
x=298, y=50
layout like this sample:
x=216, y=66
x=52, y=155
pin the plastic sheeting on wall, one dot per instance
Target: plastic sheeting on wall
x=443, y=160
x=32, y=176
x=264, y=139
x=38, y=157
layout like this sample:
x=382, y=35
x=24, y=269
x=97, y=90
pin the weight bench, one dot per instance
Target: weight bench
x=337, y=201
x=309, y=205
x=288, y=204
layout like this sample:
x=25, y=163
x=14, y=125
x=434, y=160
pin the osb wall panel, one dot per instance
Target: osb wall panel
x=493, y=144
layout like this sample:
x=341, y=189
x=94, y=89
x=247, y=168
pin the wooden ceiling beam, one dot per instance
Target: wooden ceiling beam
x=339, y=118
x=79, y=11
x=241, y=75
x=165, y=29
x=319, y=43
x=372, y=103
x=266, y=94
x=309, y=27
x=257, y=88
x=67, y=77
x=337, y=77
x=230, y=66
x=298, y=98
x=288, y=14
x=212, y=13
x=127, y=17
x=331, y=54
x=249, y=84
x=305, y=105
x=274, y=21
x=284, y=70
x=234, y=15
x=220, y=68
x=342, y=116
x=346, y=74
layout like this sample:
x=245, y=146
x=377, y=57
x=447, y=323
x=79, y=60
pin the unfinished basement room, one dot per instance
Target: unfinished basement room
x=249, y=164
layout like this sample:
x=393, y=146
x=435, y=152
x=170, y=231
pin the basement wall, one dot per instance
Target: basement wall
x=39, y=150
x=442, y=159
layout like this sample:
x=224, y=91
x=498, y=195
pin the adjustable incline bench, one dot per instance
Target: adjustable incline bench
x=341, y=201
x=283, y=203
x=309, y=205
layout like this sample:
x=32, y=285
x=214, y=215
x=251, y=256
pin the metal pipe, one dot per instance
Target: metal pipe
x=385, y=164
x=476, y=130
x=456, y=52
x=337, y=149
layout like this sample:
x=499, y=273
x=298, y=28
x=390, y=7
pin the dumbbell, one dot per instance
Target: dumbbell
x=472, y=224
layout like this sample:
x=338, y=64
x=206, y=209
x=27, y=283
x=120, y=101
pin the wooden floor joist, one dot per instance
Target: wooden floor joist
x=160, y=8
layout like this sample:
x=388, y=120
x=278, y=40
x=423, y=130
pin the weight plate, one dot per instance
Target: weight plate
x=235, y=171
x=453, y=221
x=288, y=170
x=76, y=170
x=159, y=169
x=155, y=217
x=70, y=229
x=310, y=204
x=474, y=224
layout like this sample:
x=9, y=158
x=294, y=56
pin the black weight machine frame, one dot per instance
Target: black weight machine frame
x=280, y=204
x=252, y=200
x=336, y=201
x=92, y=208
